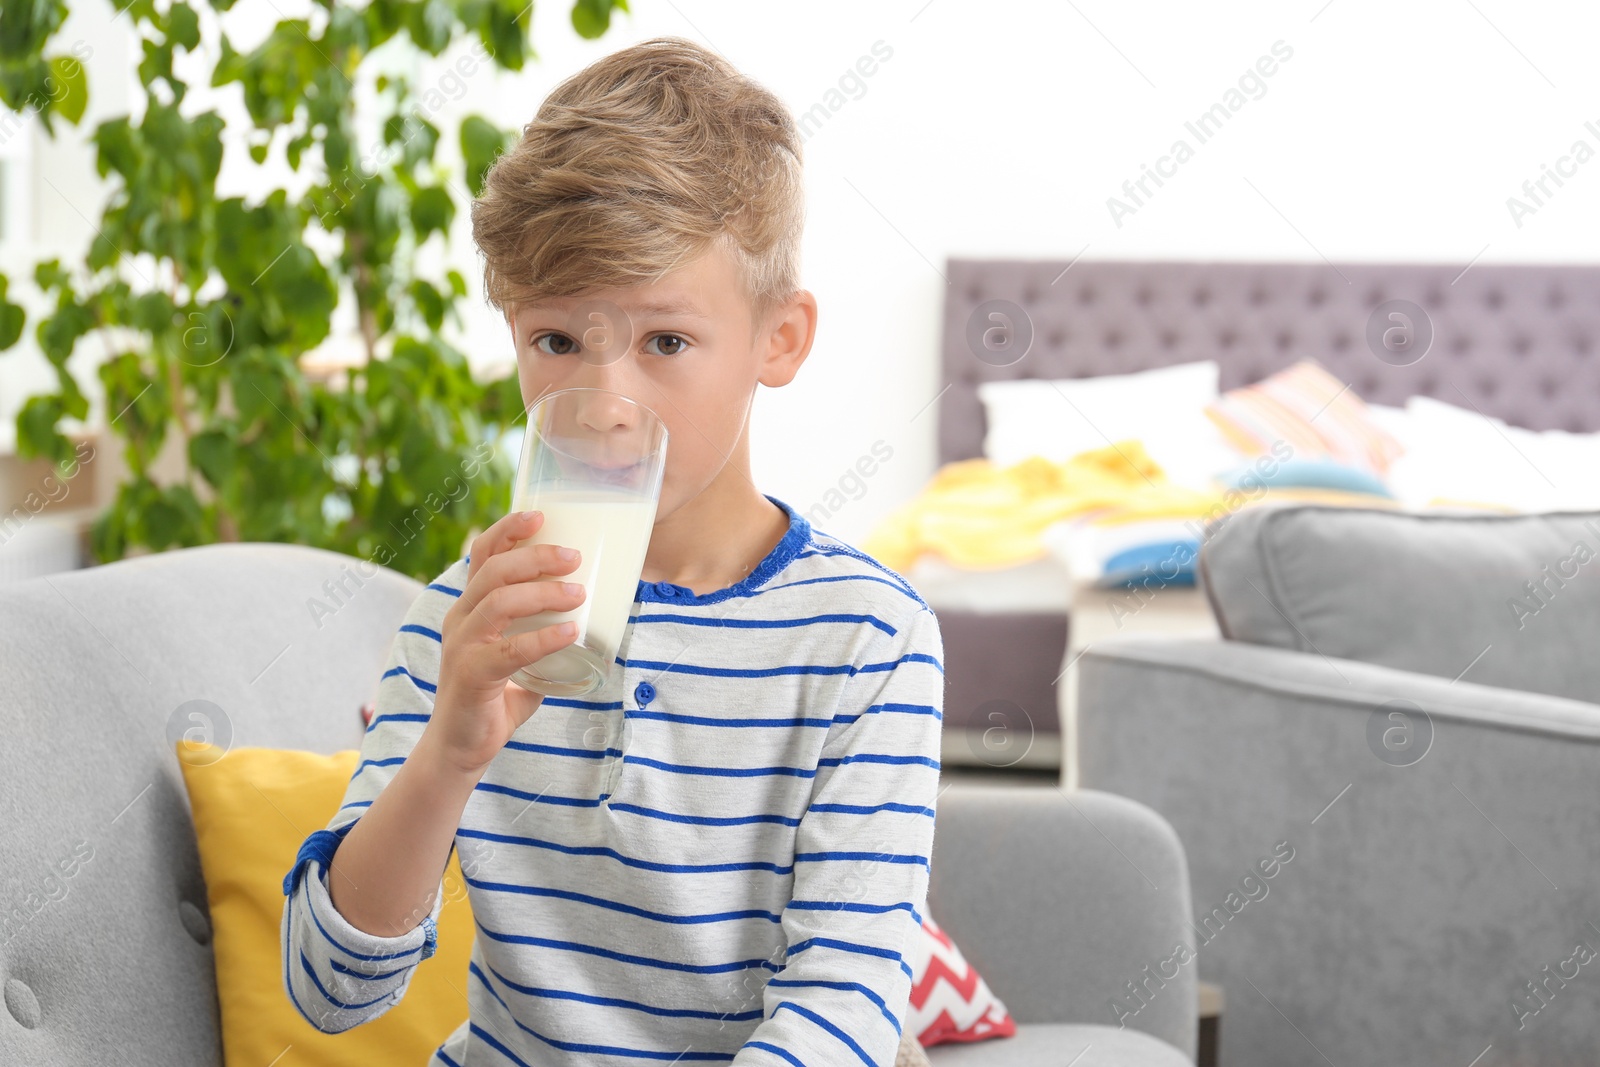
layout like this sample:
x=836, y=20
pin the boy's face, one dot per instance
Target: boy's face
x=681, y=346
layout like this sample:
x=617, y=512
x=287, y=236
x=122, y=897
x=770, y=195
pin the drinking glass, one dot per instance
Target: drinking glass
x=592, y=461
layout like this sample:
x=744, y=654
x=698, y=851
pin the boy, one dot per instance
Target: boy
x=718, y=857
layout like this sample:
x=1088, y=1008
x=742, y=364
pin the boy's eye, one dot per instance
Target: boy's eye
x=559, y=339
x=675, y=344
x=562, y=345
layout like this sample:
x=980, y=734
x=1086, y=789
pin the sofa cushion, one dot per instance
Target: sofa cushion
x=1503, y=600
x=1059, y=1044
x=252, y=809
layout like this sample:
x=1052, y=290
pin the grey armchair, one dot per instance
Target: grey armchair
x=105, y=939
x=1409, y=702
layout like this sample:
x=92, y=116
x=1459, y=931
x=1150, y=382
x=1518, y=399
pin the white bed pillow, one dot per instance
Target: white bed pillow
x=1059, y=418
x=1396, y=422
x=1459, y=454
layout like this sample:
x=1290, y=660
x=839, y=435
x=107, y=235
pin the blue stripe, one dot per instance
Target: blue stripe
x=558, y=750
x=756, y=772
x=880, y=857
x=708, y=720
x=289, y=940
x=306, y=965
x=342, y=969
x=417, y=628
x=483, y=1035
x=397, y=717
x=806, y=1013
x=624, y=957
x=707, y=820
x=876, y=757
x=842, y=905
x=452, y=590
x=738, y=672
x=651, y=1009
x=853, y=986
x=576, y=1046
x=844, y=946
x=898, y=581
x=906, y=709
x=724, y=772
x=649, y=865
x=861, y=809
x=392, y=761
x=775, y=1050
x=628, y=909
x=770, y=672
x=573, y=702
x=909, y=657
x=439, y=1052
x=896, y=586
x=351, y=952
x=646, y=812
x=695, y=620
x=540, y=798
x=695, y=820
x=420, y=683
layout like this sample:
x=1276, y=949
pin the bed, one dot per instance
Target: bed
x=1518, y=342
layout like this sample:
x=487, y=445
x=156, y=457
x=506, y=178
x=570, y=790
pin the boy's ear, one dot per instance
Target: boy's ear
x=788, y=339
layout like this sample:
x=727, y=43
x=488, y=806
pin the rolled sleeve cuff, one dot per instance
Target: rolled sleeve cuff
x=320, y=846
x=359, y=945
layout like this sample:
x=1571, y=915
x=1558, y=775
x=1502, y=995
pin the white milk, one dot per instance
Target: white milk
x=612, y=531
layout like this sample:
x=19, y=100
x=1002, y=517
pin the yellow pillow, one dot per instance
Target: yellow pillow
x=252, y=809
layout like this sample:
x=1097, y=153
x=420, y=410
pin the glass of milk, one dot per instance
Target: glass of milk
x=592, y=461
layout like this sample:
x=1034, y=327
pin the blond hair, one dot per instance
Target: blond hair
x=638, y=164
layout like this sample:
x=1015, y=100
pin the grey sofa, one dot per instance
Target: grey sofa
x=105, y=942
x=1413, y=704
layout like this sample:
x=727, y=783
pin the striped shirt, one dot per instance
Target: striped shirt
x=719, y=857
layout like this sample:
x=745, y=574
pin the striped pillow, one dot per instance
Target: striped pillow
x=1311, y=411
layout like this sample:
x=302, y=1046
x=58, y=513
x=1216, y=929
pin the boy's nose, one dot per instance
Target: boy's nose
x=608, y=408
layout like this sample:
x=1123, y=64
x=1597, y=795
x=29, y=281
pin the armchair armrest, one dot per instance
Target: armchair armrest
x=1466, y=855
x=1349, y=683
x=1061, y=899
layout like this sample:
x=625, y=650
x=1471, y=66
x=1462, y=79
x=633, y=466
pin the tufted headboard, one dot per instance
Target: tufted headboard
x=1520, y=342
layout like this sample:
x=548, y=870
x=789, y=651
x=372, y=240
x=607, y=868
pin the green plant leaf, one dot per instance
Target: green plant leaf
x=25, y=27
x=36, y=429
x=12, y=318
x=214, y=454
x=72, y=87
x=481, y=142
x=183, y=26
x=432, y=211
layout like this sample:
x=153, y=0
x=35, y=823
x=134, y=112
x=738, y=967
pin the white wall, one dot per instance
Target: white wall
x=1001, y=129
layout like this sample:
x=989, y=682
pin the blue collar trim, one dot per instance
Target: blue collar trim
x=797, y=537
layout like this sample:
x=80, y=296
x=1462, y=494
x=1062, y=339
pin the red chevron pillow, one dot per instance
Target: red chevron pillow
x=950, y=1001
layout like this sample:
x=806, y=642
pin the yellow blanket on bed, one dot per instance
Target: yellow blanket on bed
x=979, y=516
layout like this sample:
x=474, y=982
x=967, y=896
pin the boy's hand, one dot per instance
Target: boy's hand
x=478, y=707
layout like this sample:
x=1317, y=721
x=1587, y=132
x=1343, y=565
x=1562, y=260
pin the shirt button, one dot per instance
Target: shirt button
x=644, y=693
x=666, y=589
